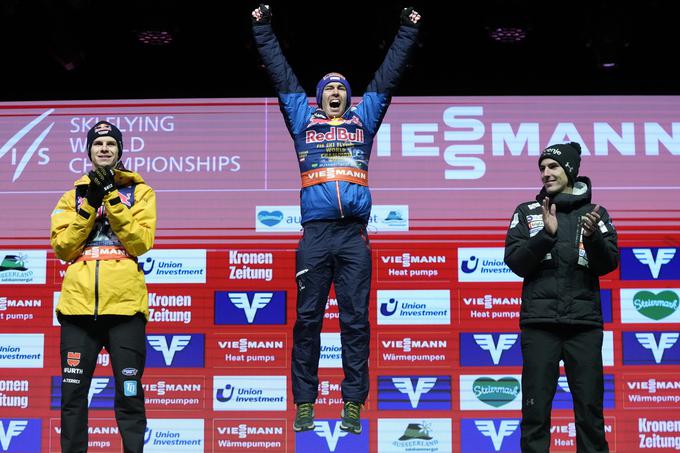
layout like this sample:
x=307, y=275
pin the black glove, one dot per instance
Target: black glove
x=266, y=15
x=406, y=19
x=101, y=184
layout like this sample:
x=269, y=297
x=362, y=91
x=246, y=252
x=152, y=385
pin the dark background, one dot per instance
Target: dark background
x=87, y=49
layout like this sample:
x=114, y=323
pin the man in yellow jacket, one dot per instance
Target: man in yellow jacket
x=100, y=227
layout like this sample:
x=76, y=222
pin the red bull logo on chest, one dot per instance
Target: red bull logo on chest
x=335, y=134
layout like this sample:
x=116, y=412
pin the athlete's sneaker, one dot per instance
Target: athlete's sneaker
x=304, y=417
x=351, y=417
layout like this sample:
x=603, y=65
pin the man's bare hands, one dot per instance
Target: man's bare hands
x=549, y=217
x=589, y=221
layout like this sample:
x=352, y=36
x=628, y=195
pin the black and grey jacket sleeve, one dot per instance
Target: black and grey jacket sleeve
x=602, y=246
x=524, y=253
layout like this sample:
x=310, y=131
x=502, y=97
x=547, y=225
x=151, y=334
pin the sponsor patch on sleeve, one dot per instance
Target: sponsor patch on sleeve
x=535, y=223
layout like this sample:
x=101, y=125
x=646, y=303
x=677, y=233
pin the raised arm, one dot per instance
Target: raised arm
x=292, y=97
x=379, y=90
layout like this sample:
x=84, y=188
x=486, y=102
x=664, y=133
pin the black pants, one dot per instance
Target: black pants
x=81, y=340
x=581, y=349
x=335, y=252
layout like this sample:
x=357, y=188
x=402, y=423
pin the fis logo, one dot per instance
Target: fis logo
x=20, y=435
x=489, y=435
x=651, y=348
x=502, y=349
x=409, y=393
x=250, y=307
x=177, y=351
x=32, y=149
x=651, y=263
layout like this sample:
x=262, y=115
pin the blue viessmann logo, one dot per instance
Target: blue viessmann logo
x=175, y=350
x=651, y=348
x=414, y=392
x=490, y=349
x=250, y=307
x=650, y=263
x=20, y=435
x=489, y=435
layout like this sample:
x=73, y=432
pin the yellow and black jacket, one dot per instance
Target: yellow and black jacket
x=102, y=247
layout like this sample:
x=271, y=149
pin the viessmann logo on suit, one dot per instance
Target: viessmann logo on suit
x=174, y=266
x=250, y=307
x=175, y=350
x=249, y=393
x=484, y=264
x=650, y=263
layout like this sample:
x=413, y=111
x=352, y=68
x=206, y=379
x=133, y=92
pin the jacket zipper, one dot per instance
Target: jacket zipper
x=337, y=190
x=96, y=290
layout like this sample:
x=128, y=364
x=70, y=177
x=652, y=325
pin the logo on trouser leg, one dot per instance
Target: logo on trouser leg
x=73, y=358
x=130, y=388
x=298, y=277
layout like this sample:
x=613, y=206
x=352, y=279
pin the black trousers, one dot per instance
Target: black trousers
x=82, y=337
x=581, y=349
x=335, y=252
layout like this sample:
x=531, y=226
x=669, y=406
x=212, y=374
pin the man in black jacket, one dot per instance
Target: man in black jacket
x=561, y=244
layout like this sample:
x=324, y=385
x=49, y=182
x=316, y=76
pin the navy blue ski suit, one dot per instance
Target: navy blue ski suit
x=333, y=154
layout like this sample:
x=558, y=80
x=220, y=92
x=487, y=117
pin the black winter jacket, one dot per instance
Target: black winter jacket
x=561, y=273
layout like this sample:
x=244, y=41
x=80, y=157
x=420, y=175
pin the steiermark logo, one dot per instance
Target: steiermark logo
x=496, y=392
x=656, y=306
